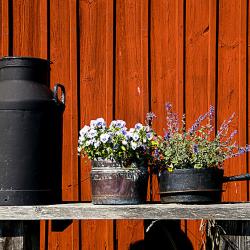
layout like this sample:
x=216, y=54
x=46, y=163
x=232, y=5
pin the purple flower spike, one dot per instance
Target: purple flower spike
x=172, y=119
x=241, y=151
x=224, y=126
x=156, y=153
x=195, y=149
x=231, y=136
x=167, y=136
x=149, y=118
x=211, y=112
x=168, y=106
x=197, y=123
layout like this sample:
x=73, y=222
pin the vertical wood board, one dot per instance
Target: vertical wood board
x=63, y=56
x=4, y=28
x=96, y=98
x=231, y=87
x=30, y=28
x=131, y=87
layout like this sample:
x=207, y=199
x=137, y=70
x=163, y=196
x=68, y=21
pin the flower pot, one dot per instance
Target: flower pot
x=191, y=185
x=114, y=184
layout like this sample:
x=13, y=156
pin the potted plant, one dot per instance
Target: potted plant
x=120, y=159
x=190, y=161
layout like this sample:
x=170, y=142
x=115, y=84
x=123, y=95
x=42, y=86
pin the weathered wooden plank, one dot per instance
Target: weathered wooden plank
x=82, y=211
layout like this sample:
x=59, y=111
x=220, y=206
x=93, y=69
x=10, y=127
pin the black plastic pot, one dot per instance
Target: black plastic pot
x=114, y=184
x=194, y=185
x=30, y=133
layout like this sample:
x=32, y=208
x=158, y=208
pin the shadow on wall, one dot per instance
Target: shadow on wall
x=165, y=235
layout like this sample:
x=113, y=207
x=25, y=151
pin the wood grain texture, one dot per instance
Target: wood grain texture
x=131, y=86
x=30, y=28
x=4, y=28
x=164, y=64
x=87, y=211
x=197, y=45
x=96, y=69
x=96, y=98
x=164, y=61
x=63, y=55
x=248, y=90
x=232, y=85
x=212, y=53
x=131, y=94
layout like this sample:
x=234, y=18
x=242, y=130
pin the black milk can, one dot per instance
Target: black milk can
x=30, y=133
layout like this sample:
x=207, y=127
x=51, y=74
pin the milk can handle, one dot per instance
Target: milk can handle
x=58, y=85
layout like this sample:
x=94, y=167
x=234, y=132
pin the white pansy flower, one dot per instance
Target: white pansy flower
x=120, y=123
x=124, y=142
x=135, y=137
x=84, y=130
x=104, y=138
x=92, y=123
x=150, y=136
x=138, y=126
x=92, y=133
x=100, y=123
x=133, y=145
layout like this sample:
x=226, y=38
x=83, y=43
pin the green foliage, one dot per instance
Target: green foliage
x=197, y=147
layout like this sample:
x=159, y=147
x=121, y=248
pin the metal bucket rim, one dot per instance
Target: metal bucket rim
x=192, y=170
x=116, y=165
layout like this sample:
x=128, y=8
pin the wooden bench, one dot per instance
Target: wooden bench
x=20, y=224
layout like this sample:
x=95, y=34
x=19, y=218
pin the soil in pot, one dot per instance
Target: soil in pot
x=114, y=184
x=195, y=186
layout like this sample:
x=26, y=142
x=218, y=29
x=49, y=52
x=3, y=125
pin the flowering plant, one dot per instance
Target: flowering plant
x=196, y=147
x=116, y=142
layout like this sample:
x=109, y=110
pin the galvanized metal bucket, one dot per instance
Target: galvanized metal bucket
x=114, y=184
x=194, y=185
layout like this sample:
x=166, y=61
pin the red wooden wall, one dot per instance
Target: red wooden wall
x=122, y=58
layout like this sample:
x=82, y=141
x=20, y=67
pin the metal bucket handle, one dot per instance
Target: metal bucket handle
x=55, y=94
x=242, y=177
